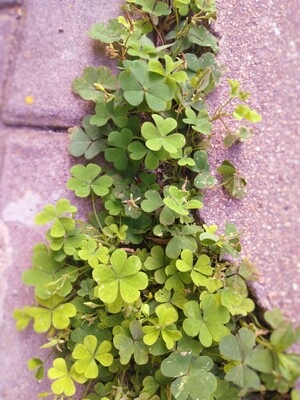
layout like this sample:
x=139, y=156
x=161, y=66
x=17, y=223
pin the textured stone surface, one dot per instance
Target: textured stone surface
x=54, y=50
x=35, y=169
x=5, y=46
x=259, y=43
x=5, y=3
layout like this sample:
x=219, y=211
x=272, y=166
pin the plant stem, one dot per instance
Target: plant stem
x=95, y=211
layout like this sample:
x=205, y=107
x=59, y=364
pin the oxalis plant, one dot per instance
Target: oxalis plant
x=144, y=301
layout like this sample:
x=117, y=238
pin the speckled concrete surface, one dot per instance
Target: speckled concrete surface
x=259, y=45
x=54, y=48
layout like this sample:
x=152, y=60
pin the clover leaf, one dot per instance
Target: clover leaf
x=202, y=37
x=64, y=383
x=95, y=83
x=169, y=71
x=106, y=111
x=193, y=376
x=164, y=326
x=233, y=183
x=207, y=322
x=121, y=278
x=139, y=84
x=86, y=179
x=88, y=353
x=200, y=122
x=178, y=201
x=152, y=201
x=203, y=179
x=244, y=357
x=93, y=253
x=236, y=303
x=68, y=243
x=47, y=274
x=117, y=153
x=158, y=136
x=128, y=339
x=200, y=271
x=153, y=7
x=52, y=313
x=88, y=140
x=107, y=33
x=60, y=215
x=240, y=135
x=243, y=111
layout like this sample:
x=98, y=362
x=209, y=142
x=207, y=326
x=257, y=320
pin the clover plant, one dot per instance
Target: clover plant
x=144, y=300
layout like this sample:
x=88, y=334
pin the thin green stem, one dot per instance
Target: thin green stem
x=95, y=211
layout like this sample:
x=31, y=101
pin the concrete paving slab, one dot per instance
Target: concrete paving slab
x=54, y=50
x=259, y=42
x=6, y=3
x=6, y=30
x=35, y=169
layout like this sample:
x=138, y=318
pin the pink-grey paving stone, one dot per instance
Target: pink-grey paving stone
x=6, y=3
x=260, y=47
x=6, y=39
x=35, y=168
x=54, y=49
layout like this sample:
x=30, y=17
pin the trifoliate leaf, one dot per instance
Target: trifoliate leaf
x=191, y=374
x=95, y=83
x=86, y=179
x=88, y=353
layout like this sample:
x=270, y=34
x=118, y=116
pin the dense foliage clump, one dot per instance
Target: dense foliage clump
x=144, y=301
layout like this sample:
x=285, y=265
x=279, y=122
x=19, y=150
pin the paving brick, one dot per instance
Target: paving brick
x=6, y=27
x=54, y=50
x=35, y=170
x=6, y=3
x=259, y=42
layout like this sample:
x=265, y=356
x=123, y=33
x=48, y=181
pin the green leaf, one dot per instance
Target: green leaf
x=179, y=201
x=191, y=374
x=106, y=111
x=243, y=111
x=158, y=136
x=236, y=303
x=107, y=33
x=93, y=253
x=95, y=83
x=200, y=122
x=128, y=339
x=87, y=141
x=202, y=37
x=63, y=378
x=163, y=326
x=245, y=356
x=203, y=179
x=233, y=183
x=241, y=135
x=86, y=179
x=139, y=84
x=118, y=152
x=88, y=353
x=152, y=7
x=120, y=278
x=152, y=201
x=209, y=323
x=53, y=313
x=59, y=215
x=37, y=365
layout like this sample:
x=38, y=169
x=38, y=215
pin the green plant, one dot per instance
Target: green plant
x=143, y=301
